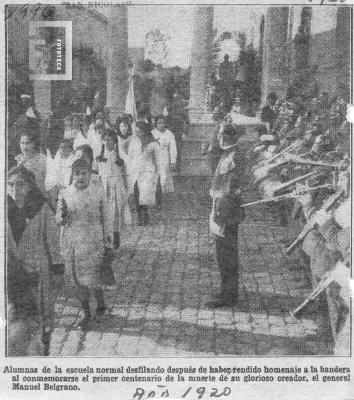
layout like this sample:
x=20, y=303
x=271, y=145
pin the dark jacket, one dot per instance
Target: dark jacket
x=268, y=115
x=228, y=211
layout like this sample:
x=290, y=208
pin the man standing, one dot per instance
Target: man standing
x=227, y=77
x=268, y=112
x=227, y=214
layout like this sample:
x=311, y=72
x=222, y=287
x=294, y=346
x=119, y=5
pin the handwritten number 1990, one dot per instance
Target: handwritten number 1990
x=29, y=11
x=329, y=1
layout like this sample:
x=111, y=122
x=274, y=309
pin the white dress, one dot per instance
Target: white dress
x=79, y=140
x=123, y=148
x=143, y=170
x=167, y=156
x=83, y=237
x=116, y=192
x=59, y=171
x=94, y=140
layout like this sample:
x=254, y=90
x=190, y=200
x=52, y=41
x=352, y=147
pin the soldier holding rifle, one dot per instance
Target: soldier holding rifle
x=227, y=214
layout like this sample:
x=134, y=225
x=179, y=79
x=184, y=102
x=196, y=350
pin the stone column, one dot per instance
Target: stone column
x=200, y=62
x=343, y=43
x=275, y=74
x=117, y=66
x=261, y=37
x=302, y=42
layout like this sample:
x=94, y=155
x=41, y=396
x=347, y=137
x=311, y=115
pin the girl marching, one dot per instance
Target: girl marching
x=110, y=169
x=143, y=170
x=82, y=214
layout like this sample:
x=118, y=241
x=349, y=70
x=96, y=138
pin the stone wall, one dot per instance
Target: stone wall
x=322, y=54
x=329, y=50
x=89, y=31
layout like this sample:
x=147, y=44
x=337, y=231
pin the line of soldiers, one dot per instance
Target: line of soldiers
x=302, y=170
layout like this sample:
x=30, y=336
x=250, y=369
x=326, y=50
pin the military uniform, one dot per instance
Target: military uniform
x=227, y=214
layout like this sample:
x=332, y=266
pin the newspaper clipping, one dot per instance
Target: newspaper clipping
x=177, y=200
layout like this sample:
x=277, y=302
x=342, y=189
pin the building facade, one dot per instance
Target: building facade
x=308, y=47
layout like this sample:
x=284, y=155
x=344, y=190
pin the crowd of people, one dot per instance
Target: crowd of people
x=301, y=166
x=68, y=211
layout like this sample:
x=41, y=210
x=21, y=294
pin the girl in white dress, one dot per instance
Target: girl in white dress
x=82, y=214
x=110, y=169
x=167, y=156
x=142, y=165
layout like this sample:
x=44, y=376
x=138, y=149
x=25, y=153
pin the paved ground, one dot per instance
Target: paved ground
x=166, y=273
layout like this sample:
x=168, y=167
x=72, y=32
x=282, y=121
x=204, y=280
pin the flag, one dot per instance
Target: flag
x=130, y=106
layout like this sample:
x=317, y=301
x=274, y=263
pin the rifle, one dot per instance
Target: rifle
x=300, y=160
x=291, y=195
x=340, y=274
x=327, y=205
x=279, y=154
x=309, y=176
x=262, y=171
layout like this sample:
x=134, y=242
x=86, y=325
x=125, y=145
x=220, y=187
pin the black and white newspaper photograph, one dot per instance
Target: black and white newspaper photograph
x=176, y=182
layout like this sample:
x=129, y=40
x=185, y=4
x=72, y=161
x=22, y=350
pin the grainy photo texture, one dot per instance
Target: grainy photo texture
x=178, y=180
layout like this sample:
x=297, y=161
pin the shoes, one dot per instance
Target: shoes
x=140, y=221
x=103, y=313
x=116, y=240
x=100, y=312
x=58, y=269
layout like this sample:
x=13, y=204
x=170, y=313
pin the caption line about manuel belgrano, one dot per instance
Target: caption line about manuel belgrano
x=197, y=382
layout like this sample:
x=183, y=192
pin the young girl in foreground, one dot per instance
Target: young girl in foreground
x=81, y=212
